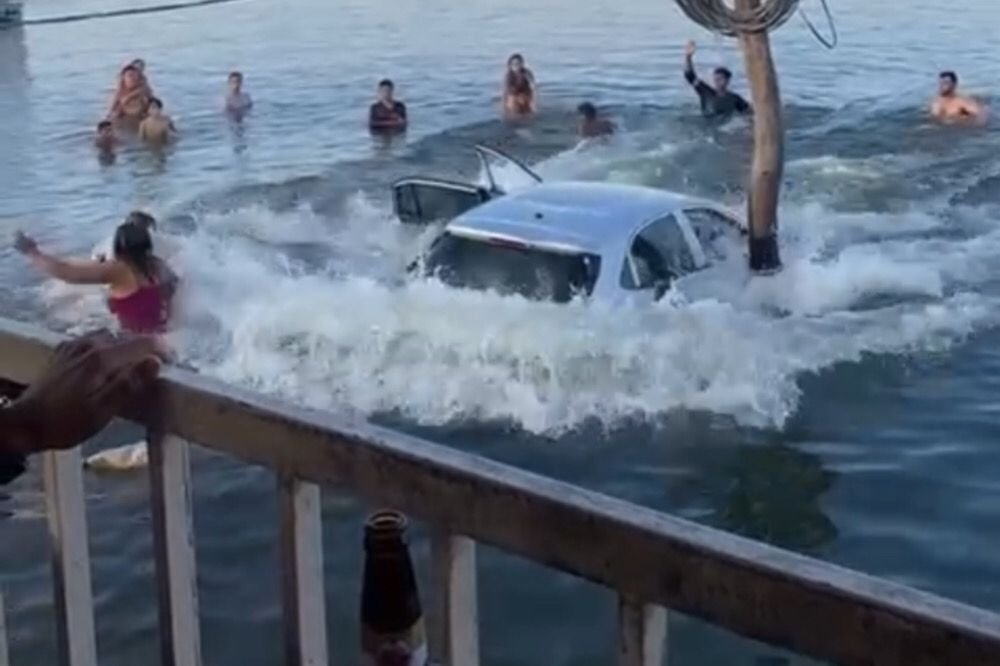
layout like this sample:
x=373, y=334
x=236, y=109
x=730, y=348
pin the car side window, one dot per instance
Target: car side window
x=660, y=252
x=709, y=226
x=432, y=202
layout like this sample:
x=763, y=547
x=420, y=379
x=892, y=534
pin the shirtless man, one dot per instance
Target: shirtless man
x=238, y=101
x=951, y=107
x=157, y=128
x=591, y=124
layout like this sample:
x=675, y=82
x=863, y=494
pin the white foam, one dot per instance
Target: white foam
x=345, y=335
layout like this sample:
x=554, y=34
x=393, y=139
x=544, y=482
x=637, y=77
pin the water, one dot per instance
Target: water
x=858, y=426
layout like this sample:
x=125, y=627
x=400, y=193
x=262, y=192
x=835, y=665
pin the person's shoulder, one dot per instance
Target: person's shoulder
x=399, y=106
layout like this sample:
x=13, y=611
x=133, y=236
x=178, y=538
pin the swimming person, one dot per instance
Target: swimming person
x=520, y=93
x=717, y=101
x=591, y=124
x=156, y=128
x=141, y=285
x=949, y=106
x=237, y=101
x=131, y=98
x=387, y=114
x=105, y=139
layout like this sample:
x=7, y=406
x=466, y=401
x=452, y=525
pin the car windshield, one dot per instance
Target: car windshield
x=510, y=267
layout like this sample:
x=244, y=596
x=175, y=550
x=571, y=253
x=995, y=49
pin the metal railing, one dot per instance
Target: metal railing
x=653, y=561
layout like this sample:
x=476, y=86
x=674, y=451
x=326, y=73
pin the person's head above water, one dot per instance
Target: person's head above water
x=142, y=219
x=133, y=244
x=587, y=110
x=155, y=106
x=131, y=77
x=235, y=81
x=721, y=78
x=104, y=128
x=947, y=83
x=386, y=89
x=515, y=63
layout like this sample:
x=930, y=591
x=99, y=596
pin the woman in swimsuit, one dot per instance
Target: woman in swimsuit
x=131, y=99
x=519, y=92
x=141, y=285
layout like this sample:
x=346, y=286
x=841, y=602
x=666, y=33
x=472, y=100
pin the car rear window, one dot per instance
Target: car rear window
x=511, y=268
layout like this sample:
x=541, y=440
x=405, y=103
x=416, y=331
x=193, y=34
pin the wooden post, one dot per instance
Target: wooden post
x=768, y=147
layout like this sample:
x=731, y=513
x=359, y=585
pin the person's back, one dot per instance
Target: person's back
x=156, y=128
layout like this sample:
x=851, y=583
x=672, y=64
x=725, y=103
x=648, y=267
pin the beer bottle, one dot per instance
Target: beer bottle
x=392, y=623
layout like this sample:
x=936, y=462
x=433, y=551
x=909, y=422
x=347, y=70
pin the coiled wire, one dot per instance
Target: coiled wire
x=718, y=16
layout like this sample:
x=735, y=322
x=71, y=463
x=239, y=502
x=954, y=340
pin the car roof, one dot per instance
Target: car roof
x=589, y=216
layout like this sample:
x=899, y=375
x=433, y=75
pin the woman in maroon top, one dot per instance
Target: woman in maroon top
x=519, y=90
x=141, y=286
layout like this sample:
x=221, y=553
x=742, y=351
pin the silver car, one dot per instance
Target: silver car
x=561, y=240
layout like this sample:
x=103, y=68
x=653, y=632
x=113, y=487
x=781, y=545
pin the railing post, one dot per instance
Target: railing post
x=4, y=658
x=301, y=535
x=454, y=605
x=173, y=544
x=67, y=516
x=642, y=633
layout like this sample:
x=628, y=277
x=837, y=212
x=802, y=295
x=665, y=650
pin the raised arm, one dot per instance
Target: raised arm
x=72, y=271
x=689, y=73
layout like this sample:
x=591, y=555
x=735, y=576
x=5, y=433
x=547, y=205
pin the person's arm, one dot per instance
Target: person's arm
x=74, y=272
x=974, y=109
x=700, y=87
x=743, y=106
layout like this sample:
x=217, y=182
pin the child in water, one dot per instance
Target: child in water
x=156, y=128
x=237, y=101
x=105, y=139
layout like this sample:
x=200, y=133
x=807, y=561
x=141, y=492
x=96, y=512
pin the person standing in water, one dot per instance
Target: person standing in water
x=141, y=286
x=591, y=124
x=387, y=114
x=132, y=96
x=950, y=107
x=156, y=128
x=238, y=102
x=520, y=92
x=718, y=102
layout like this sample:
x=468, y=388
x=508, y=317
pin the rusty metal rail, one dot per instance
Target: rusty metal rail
x=653, y=561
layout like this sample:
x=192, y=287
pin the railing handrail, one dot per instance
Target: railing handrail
x=753, y=589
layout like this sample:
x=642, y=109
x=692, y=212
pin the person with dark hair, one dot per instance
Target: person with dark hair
x=717, y=101
x=591, y=124
x=520, y=92
x=387, y=114
x=237, y=101
x=949, y=106
x=156, y=128
x=88, y=381
x=105, y=139
x=141, y=285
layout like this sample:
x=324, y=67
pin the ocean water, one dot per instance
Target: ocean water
x=858, y=425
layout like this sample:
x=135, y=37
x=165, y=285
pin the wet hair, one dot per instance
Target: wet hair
x=103, y=125
x=133, y=245
x=724, y=72
x=141, y=219
x=236, y=75
x=950, y=75
x=130, y=68
x=587, y=110
x=513, y=57
x=138, y=64
x=386, y=83
x=155, y=101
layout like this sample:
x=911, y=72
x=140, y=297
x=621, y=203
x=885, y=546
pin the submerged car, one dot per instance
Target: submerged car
x=561, y=240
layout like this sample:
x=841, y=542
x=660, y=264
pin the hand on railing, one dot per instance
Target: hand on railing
x=87, y=382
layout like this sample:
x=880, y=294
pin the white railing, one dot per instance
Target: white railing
x=652, y=560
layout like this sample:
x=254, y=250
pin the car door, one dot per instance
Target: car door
x=503, y=173
x=428, y=200
x=659, y=254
